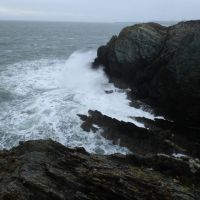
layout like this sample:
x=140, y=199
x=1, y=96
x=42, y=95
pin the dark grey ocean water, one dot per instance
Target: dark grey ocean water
x=46, y=80
x=55, y=40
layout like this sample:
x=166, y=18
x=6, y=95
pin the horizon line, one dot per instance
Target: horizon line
x=100, y=22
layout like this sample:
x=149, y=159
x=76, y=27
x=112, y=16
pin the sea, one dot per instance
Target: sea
x=46, y=79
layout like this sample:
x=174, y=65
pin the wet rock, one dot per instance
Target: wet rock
x=189, y=143
x=161, y=136
x=161, y=63
x=109, y=91
x=47, y=170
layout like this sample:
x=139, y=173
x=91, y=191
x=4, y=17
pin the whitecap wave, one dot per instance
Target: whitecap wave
x=48, y=96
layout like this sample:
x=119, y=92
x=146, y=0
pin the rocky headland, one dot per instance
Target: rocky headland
x=161, y=66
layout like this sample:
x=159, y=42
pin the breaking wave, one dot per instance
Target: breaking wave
x=45, y=97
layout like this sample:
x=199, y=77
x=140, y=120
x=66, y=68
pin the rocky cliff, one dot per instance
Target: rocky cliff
x=161, y=63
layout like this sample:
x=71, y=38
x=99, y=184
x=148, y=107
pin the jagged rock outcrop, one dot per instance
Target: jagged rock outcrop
x=162, y=63
x=47, y=170
x=159, y=136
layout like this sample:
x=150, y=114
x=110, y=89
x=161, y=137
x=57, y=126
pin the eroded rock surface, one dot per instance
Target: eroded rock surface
x=47, y=170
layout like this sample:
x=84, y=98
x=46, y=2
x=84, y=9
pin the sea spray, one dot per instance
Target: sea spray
x=48, y=95
x=90, y=86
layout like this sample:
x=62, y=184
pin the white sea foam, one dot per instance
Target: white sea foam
x=48, y=95
x=179, y=155
x=89, y=88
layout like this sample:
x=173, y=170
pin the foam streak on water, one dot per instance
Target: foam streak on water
x=47, y=95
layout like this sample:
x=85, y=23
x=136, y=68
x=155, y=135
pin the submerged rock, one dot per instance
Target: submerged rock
x=47, y=170
x=162, y=63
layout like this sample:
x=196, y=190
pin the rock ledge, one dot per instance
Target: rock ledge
x=47, y=170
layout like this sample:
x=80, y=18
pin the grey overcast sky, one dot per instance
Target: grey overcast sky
x=100, y=10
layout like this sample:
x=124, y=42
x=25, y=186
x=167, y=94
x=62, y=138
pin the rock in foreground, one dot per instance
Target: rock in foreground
x=47, y=170
x=162, y=63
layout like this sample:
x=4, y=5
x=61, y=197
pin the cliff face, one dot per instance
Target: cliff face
x=162, y=63
x=47, y=170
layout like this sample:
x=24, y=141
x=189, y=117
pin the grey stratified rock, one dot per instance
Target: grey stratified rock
x=46, y=170
x=162, y=63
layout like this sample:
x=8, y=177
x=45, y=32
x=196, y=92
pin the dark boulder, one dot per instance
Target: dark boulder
x=46, y=170
x=162, y=63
